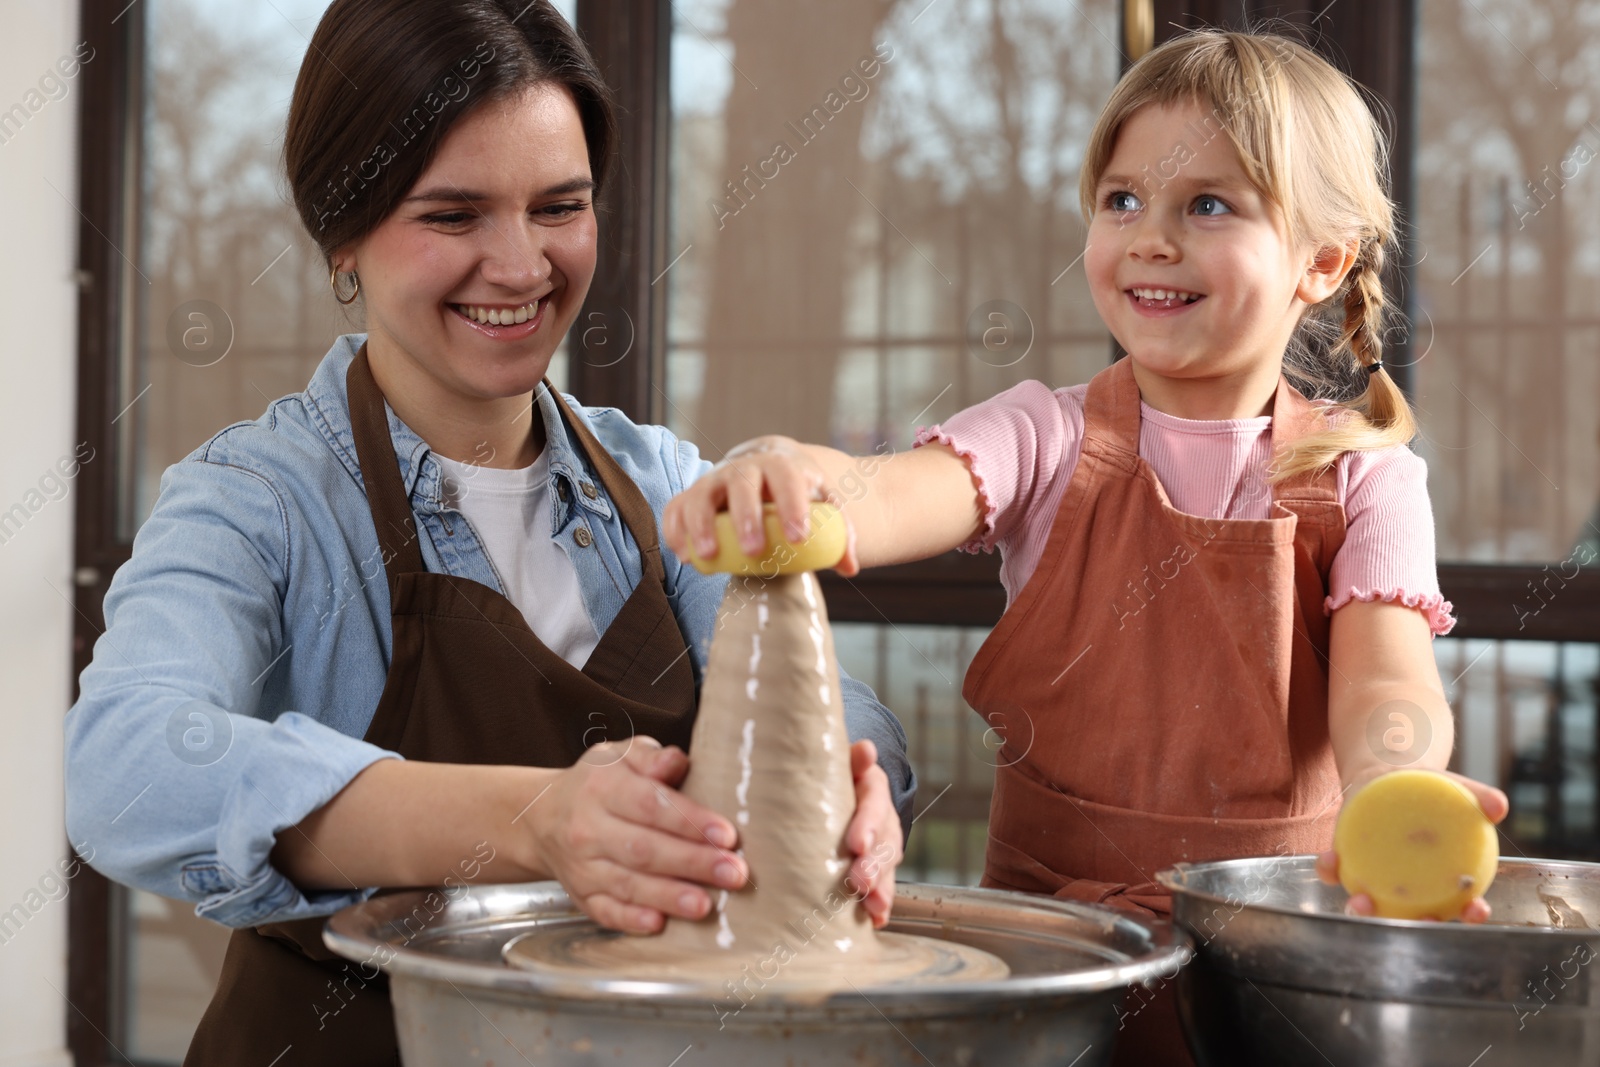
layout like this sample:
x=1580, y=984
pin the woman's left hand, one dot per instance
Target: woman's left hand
x=874, y=835
x=1491, y=801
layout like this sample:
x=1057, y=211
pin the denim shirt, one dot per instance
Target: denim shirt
x=247, y=639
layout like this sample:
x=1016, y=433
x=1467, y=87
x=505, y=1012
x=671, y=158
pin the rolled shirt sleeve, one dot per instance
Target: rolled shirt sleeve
x=177, y=783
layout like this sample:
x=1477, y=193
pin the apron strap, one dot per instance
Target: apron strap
x=1112, y=417
x=1313, y=496
x=391, y=507
x=1293, y=418
x=631, y=504
x=1111, y=409
x=380, y=471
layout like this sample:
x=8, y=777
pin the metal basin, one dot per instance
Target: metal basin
x=457, y=1003
x=1281, y=976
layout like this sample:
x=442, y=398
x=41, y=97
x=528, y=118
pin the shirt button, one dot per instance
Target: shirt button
x=583, y=537
x=589, y=490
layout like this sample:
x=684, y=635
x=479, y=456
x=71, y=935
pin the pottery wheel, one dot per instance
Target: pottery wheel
x=586, y=951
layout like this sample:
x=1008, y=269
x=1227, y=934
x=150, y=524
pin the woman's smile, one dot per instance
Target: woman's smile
x=502, y=322
x=471, y=282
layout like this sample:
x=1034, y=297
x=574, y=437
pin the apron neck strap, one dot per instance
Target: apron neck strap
x=391, y=507
x=624, y=492
x=1111, y=408
x=380, y=470
x=1112, y=415
x=1294, y=417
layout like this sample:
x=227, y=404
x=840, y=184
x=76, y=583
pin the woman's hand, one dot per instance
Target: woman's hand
x=874, y=835
x=1491, y=801
x=627, y=846
x=773, y=468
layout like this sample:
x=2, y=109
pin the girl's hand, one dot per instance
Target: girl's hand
x=627, y=846
x=764, y=468
x=1491, y=801
x=874, y=835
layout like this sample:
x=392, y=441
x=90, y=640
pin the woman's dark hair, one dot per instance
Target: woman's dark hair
x=385, y=80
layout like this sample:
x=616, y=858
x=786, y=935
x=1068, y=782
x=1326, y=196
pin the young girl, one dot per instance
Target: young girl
x=1220, y=595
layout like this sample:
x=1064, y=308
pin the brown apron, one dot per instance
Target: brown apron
x=1161, y=682
x=468, y=682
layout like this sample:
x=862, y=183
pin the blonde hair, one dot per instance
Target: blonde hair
x=1310, y=145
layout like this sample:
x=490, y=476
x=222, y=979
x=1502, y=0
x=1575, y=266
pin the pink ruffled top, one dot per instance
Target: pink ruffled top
x=1023, y=445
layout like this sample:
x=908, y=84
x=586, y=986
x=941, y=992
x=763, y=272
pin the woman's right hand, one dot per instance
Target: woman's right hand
x=626, y=845
x=774, y=468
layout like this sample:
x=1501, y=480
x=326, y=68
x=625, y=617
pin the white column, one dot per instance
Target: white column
x=38, y=377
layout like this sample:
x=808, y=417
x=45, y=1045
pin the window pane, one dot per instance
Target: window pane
x=232, y=310
x=1505, y=338
x=917, y=671
x=173, y=962
x=1526, y=722
x=231, y=303
x=875, y=224
x=231, y=298
x=875, y=215
x=1507, y=267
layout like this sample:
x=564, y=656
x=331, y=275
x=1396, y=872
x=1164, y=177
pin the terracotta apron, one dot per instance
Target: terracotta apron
x=468, y=682
x=1161, y=683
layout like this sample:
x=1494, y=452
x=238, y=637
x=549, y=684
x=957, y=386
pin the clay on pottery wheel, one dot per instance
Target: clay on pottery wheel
x=770, y=752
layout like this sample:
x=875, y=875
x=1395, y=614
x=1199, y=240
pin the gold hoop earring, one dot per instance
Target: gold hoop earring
x=333, y=281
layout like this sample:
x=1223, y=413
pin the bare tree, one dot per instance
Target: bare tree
x=955, y=183
x=780, y=247
x=215, y=216
x=1509, y=122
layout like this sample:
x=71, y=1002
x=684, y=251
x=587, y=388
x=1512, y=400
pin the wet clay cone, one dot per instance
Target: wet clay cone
x=770, y=753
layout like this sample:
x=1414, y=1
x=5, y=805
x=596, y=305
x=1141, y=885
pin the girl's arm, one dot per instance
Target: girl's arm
x=907, y=506
x=1387, y=711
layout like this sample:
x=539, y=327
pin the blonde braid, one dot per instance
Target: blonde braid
x=1364, y=306
x=1380, y=416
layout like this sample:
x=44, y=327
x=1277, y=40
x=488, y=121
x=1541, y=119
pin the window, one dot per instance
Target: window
x=227, y=308
x=857, y=218
x=874, y=223
x=1506, y=269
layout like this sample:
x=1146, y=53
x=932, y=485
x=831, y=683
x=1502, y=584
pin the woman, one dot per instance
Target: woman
x=413, y=626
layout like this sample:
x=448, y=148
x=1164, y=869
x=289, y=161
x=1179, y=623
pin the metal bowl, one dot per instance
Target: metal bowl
x=1282, y=976
x=456, y=1002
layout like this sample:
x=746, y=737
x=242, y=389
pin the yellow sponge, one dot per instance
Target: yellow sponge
x=1418, y=844
x=821, y=549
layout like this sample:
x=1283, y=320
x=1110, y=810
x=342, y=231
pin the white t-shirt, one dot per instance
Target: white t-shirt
x=510, y=510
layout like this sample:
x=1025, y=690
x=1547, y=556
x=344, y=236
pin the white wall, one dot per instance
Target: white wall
x=38, y=363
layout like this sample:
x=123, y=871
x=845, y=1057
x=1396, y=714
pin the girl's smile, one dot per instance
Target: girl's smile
x=1157, y=301
x=1192, y=268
